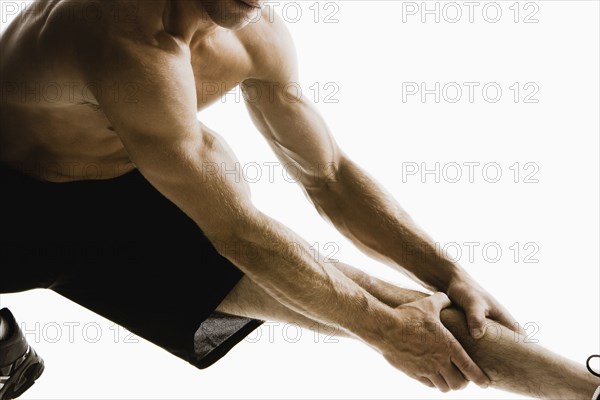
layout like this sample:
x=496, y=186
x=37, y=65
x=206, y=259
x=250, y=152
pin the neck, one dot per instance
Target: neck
x=187, y=19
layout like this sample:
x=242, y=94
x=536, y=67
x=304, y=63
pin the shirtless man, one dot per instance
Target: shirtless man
x=117, y=197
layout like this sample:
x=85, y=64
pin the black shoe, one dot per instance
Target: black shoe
x=20, y=365
x=587, y=364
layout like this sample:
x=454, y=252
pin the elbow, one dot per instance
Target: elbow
x=326, y=187
x=235, y=238
x=325, y=178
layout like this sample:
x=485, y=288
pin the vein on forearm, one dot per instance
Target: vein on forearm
x=368, y=215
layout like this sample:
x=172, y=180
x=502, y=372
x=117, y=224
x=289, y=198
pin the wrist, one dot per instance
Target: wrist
x=455, y=275
x=374, y=326
x=444, y=275
x=430, y=268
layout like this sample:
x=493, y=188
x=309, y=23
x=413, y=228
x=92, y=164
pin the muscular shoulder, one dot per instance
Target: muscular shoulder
x=121, y=35
x=137, y=19
x=87, y=28
x=271, y=48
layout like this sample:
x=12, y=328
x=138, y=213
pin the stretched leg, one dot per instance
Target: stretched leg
x=511, y=363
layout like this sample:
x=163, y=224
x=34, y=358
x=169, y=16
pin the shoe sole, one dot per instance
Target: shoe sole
x=29, y=369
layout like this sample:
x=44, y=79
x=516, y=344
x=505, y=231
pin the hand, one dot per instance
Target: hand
x=479, y=304
x=420, y=346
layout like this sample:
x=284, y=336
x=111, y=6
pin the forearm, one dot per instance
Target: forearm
x=281, y=263
x=369, y=216
x=386, y=292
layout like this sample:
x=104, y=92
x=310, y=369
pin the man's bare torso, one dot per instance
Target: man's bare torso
x=52, y=126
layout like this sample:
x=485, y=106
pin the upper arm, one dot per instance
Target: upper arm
x=292, y=125
x=147, y=93
x=161, y=133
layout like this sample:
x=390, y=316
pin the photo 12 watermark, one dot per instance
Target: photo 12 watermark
x=76, y=11
x=253, y=92
x=72, y=332
x=519, y=172
x=453, y=12
x=293, y=12
x=490, y=92
x=291, y=332
x=490, y=252
x=68, y=92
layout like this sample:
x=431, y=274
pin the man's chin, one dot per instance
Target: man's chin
x=233, y=25
x=242, y=18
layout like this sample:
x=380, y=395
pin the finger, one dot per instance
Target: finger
x=432, y=304
x=439, y=301
x=504, y=318
x=476, y=320
x=439, y=383
x=454, y=378
x=467, y=366
x=426, y=382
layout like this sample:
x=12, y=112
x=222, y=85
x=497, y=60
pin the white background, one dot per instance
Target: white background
x=369, y=53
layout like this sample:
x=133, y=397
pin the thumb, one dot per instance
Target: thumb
x=433, y=304
x=476, y=321
x=438, y=302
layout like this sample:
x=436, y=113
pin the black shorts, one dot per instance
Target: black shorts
x=121, y=249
